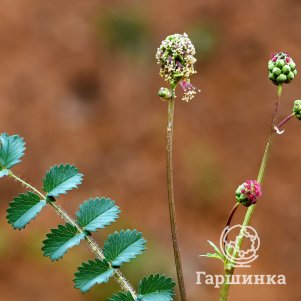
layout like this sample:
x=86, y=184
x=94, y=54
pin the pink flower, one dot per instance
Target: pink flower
x=248, y=192
x=189, y=90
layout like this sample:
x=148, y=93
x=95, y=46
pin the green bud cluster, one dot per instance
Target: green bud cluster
x=297, y=109
x=282, y=68
x=165, y=93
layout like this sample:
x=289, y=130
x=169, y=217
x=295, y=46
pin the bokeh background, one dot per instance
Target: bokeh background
x=79, y=81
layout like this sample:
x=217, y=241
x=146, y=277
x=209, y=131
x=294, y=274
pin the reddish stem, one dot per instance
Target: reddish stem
x=285, y=120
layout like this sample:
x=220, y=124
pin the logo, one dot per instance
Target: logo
x=240, y=256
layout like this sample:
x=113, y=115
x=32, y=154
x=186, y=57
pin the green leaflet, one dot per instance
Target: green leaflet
x=123, y=246
x=60, y=240
x=23, y=209
x=97, y=213
x=93, y=214
x=217, y=255
x=156, y=288
x=121, y=297
x=60, y=179
x=213, y=255
x=216, y=249
x=11, y=151
x=91, y=273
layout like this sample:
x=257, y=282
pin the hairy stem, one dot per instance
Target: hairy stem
x=230, y=269
x=171, y=200
x=118, y=276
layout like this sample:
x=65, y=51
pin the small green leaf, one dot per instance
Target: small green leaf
x=91, y=273
x=121, y=297
x=216, y=249
x=60, y=240
x=23, y=209
x=60, y=179
x=97, y=213
x=156, y=288
x=123, y=246
x=213, y=255
x=11, y=151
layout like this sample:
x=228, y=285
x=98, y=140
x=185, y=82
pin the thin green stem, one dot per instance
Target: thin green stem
x=230, y=268
x=171, y=199
x=118, y=276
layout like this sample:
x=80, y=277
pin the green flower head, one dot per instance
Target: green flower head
x=282, y=68
x=297, y=109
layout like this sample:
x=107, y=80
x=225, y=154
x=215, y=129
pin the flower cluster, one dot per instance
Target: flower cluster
x=176, y=59
x=248, y=193
x=282, y=68
x=297, y=109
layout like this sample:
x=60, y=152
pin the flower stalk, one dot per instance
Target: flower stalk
x=171, y=197
x=285, y=120
x=229, y=270
x=176, y=59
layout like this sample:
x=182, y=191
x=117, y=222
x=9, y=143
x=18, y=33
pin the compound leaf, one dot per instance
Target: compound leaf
x=121, y=297
x=11, y=151
x=156, y=288
x=91, y=273
x=97, y=213
x=23, y=209
x=60, y=179
x=60, y=240
x=123, y=246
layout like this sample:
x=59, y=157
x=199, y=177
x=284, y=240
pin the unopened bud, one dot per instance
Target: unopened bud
x=248, y=193
x=297, y=108
x=282, y=68
x=165, y=93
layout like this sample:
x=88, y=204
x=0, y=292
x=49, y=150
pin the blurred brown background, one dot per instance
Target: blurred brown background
x=79, y=81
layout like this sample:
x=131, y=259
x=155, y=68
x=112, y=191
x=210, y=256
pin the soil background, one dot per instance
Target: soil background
x=79, y=82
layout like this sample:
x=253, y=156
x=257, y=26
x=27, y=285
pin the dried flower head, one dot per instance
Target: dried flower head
x=282, y=68
x=297, y=109
x=248, y=193
x=176, y=58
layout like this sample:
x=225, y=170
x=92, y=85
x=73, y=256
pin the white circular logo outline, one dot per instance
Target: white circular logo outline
x=240, y=261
